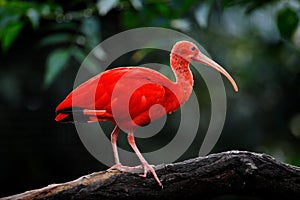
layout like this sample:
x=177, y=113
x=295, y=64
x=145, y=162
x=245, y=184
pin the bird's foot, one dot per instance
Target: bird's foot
x=124, y=168
x=150, y=168
x=135, y=169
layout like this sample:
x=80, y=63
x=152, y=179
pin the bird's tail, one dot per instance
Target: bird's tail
x=65, y=115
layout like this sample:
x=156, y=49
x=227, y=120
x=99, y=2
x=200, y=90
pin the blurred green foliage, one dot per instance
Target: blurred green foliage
x=287, y=22
x=43, y=44
x=64, y=22
x=15, y=15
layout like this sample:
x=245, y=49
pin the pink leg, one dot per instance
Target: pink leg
x=118, y=165
x=113, y=139
x=145, y=164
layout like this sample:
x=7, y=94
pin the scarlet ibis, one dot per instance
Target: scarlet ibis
x=151, y=88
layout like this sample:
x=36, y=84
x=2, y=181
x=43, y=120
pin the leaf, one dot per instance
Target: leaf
x=91, y=29
x=287, y=22
x=3, y=2
x=130, y=19
x=202, y=13
x=137, y=4
x=90, y=63
x=33, y=17
x=78, y=54
x=163, y=9
x=6, y=18
x=104, y=6
x=55, y=63
x=9, y=34
x=55, y=39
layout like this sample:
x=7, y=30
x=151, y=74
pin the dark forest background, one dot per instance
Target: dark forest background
x=43, y=44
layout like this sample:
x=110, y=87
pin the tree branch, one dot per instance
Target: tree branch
x=238, y=173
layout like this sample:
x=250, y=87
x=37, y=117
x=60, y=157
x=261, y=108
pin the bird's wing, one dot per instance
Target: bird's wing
x=127, y=89
x=143, y=95
x=94, y=94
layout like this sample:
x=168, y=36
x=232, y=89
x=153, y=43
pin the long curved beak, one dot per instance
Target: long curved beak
x=209, y=62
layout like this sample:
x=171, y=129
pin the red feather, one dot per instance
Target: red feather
x=97, y=94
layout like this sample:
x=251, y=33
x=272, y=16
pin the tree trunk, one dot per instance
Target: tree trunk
x=232, y=173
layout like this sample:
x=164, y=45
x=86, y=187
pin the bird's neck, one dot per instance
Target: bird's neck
x=184, y=76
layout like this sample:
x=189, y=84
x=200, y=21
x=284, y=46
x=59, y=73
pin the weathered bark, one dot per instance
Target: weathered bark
x=237, y=173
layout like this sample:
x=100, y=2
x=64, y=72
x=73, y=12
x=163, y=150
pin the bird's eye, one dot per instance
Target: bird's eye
x=193, y=48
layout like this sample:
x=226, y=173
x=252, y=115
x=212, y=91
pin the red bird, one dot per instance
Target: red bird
x=127, y=95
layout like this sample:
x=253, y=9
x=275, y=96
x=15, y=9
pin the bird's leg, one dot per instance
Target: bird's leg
x=118, y=165
x=113, y=139
x=145, y=164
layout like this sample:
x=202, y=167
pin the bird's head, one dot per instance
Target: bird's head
x=190, y=52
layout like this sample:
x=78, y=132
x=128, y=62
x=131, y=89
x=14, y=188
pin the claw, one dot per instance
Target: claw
x=150, y=168
x=146, y=167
